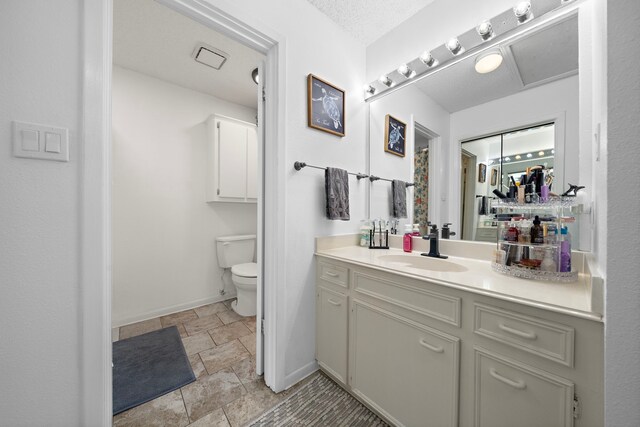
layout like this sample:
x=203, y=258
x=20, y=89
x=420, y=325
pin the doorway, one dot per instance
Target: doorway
x=425, y=147
x=96, y=189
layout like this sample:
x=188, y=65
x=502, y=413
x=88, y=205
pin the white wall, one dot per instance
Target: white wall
x=429, y=28
x=164, y=251
x=556, y=99
x=406, y=105
x=622, y=346
x=39, y=258
x=311, y=44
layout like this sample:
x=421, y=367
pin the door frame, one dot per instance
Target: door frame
x=95, y=191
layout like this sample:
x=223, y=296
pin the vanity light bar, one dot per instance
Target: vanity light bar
x=488, y=33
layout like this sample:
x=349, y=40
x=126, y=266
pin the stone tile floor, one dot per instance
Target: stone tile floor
x=221, y=346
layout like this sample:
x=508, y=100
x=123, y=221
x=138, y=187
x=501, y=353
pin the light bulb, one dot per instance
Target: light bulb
x=523, y=12
x=454, y=46
x=485, y=30
x=369, y=89
x=518, y=157
x=406, y=71
x=529, y=155
x=540, y=153
x=385, y=80
x=428, y=59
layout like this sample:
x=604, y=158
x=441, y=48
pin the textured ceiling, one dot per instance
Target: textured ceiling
x=540, y=57
x=154, y=40
x=368, y=20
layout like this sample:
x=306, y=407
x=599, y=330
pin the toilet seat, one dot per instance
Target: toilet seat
x=248, y=270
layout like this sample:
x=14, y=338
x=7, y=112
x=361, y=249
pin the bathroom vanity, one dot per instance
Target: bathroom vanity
x=431, y=342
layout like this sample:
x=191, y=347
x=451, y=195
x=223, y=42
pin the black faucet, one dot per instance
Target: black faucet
x=434, y=250
x=446, y=231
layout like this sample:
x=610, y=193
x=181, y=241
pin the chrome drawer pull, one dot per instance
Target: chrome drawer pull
x=433, y=348
x=336, y=303
x=520, y=385
x=332, y=274
x=527, y=335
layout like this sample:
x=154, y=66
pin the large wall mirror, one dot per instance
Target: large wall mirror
x=468, y=133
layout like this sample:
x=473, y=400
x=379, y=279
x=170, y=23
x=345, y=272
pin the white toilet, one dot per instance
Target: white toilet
x=236, y=253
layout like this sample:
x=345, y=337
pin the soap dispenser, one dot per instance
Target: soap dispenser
x=407, y=242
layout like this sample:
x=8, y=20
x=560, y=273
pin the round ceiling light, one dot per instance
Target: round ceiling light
x=488, y=62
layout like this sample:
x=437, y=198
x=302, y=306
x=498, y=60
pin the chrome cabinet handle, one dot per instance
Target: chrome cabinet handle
x=522, y=334
x=435, y=349
x=332, y=274
x=520, y=385
x=336, y=303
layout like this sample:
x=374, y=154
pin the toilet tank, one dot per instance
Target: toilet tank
x=234, y=250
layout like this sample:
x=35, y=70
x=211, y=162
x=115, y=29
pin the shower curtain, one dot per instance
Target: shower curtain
x=421, y=190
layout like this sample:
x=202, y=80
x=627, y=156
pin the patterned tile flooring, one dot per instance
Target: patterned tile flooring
x=221, y=348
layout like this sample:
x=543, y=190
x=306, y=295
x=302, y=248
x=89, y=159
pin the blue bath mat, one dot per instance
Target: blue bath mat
x=148, y=366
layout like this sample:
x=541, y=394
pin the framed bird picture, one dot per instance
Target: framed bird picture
x=395, y=132
x=325, y=106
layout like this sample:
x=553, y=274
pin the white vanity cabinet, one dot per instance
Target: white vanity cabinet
x=405, y=370
x=422, y=353
x=232, y=160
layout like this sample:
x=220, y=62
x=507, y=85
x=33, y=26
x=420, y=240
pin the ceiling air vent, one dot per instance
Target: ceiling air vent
x=209, y=56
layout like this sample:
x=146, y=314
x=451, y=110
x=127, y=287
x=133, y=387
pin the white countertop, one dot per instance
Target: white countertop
x=568, y=298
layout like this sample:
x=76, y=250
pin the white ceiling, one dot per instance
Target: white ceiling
x=154, y=40
x=368, y=20
x=541, y=57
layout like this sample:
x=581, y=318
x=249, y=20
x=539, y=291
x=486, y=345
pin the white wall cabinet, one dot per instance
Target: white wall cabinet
x=422, y=354
x=232, y=161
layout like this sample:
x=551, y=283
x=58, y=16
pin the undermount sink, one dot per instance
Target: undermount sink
x=421, y=262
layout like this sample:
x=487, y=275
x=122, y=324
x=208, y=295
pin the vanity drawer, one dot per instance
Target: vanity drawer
x=414, y=299
x=552, y=341
x=510, y=393
x=333, y=273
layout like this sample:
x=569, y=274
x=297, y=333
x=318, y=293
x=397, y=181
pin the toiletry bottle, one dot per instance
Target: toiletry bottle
x=512, y=233
x=544, y=190
x=537, y=233
x=528, y=193
x=565, y=250
x=548, y=264
x=407, y=241
x=364, y=233
x=416, y=230
x=521, y=193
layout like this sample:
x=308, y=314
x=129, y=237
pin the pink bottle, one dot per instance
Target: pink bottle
x=407, y=243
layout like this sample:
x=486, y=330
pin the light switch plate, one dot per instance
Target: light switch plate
x=34, y=141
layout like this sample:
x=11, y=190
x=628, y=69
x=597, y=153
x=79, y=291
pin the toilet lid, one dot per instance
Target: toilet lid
x=249, y=269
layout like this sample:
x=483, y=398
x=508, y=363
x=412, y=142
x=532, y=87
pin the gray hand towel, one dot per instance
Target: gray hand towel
x=336, y=184
x=399, y=194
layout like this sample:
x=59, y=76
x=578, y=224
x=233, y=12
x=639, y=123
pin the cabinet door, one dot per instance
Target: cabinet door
x=331, y=332
x=252, y=163
x=407, y=371
x=509, y=393
x=232, y=160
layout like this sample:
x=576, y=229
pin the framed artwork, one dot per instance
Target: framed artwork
x=494, y=176
x=482, y=172
x=395, y=132
x=325, y=106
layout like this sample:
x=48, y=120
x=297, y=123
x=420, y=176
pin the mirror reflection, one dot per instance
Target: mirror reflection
x=501, y=164
x=471, y=131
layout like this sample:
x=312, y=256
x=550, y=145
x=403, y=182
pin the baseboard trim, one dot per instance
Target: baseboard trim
x=169, y=310
x=299, y=374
